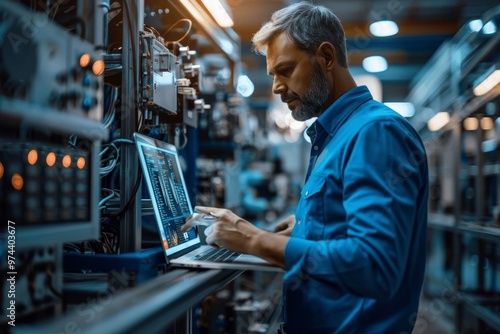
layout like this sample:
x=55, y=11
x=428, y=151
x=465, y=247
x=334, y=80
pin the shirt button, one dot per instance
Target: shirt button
x=307, y=192
x=298, y=222
x=316, y=147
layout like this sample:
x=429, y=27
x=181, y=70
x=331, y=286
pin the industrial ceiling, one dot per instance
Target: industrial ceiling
x=423, y=26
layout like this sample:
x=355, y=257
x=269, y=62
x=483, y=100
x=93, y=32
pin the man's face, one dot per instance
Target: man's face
x=297, y=77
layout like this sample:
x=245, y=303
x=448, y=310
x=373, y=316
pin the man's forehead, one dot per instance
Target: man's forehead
x=279, y=43
x=280, y=50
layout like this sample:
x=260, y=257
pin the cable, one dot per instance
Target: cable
x=185, y=34
x=123, y=141
x=105, y=199
x=153, y=31
x=110, y=234
x=114, y=159
x=68, y=246
x=110, y=114
x=48, y=282
x=132, y=197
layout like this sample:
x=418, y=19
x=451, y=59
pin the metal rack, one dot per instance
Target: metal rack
x=464, y=233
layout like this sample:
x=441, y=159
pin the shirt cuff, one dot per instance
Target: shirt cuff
x=296, y=249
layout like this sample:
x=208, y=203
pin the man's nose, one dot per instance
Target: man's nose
x=278, y=87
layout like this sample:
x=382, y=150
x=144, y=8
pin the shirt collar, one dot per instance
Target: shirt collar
x=312, y=132
x=337, y=113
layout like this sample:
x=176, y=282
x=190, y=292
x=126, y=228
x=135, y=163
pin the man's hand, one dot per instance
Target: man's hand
x=238, y=235
x=286, y=226
x=228, y=230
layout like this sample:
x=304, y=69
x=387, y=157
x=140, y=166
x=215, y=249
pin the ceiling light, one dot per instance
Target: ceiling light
x=486, y=123
x=375, y=64
x=245, y=86
x=384, y=28
x=219, y=13
x=487, y=81
x=438, y=121
x=475, y=25
x=489, y=28
x=471, y=123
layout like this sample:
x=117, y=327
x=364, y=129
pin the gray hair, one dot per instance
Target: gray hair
x=307, y=25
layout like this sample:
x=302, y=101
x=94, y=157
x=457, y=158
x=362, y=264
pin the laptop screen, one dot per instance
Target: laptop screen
x=165, y=182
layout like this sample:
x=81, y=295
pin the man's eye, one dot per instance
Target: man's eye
x=286, y=71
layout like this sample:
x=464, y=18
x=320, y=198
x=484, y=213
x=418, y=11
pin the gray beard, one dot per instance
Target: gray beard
x=313, y=102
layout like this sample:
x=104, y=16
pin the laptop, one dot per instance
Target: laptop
x=169, y=197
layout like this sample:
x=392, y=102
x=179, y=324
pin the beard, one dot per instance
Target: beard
x=313, y=102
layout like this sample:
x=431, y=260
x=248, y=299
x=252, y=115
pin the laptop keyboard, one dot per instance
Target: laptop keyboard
x=217, y=255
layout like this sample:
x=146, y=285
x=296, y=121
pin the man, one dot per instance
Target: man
x=355, y=257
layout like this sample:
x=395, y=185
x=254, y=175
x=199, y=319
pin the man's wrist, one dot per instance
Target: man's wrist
x=255, y=244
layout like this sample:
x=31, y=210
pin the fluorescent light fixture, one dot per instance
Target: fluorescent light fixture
x=438, y=121
x=219, y=13
x=406, y=109
x=489, y=28
x=471, y=123
x=486, y=123
x=487, y=81
x=475, y=25
x=384, y=28
x=245, y=86
x=375, y=64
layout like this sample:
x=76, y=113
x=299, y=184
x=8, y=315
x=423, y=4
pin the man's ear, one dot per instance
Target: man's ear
x=327, y=53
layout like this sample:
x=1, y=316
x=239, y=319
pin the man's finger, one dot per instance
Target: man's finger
x=209, y=230
x=203, y=209
x=189, y=224
x=210, y=240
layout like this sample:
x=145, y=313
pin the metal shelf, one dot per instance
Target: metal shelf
x=486, y=232
x=147, y=308
x=447, y=223
x=472, y=170
x=441, y=221
x=480, y=311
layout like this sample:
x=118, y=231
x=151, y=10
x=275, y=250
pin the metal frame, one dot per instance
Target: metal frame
x=130, y=223
x=148, y=308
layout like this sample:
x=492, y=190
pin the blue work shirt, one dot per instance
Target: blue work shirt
x=356, y=258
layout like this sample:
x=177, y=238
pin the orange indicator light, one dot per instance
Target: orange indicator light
x=32, y=157
x=17, y=181
x=80, y=163
x=66, y=161
x=51, y=159
x=98, y=67
x=85, y=60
